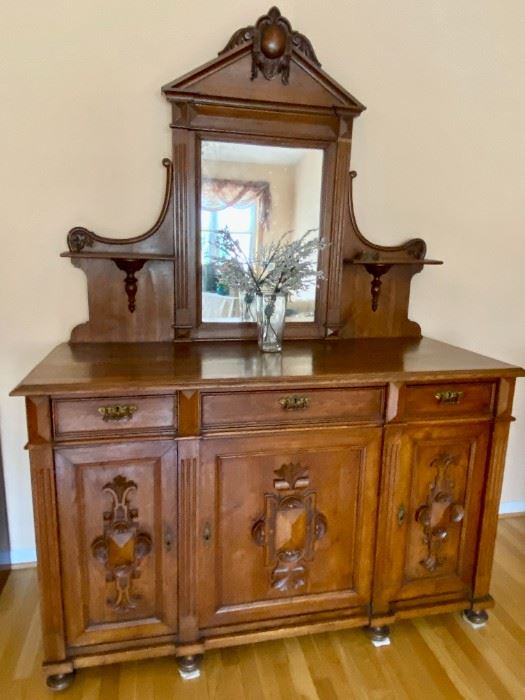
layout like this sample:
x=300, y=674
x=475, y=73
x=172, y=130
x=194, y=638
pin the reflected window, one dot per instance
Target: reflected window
x=241, y=222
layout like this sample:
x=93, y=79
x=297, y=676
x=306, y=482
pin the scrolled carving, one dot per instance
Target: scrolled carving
x=431, y=515
x=78, y=238
x=415, y=248
x=289, y=528
x=273, y=42
x=122, y=547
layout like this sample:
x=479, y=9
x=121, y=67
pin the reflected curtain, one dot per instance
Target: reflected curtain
x=220, y=193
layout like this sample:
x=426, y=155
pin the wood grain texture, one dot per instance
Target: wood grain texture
x=110, y=318
x=43, y=487
x=106, y=368
x=434, y=657
x=243, y=580
x=83, y=474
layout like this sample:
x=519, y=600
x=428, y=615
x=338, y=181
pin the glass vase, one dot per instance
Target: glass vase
x=247, y=307
x=271, y=311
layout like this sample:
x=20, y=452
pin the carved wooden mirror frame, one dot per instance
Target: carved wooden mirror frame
x=266, y=87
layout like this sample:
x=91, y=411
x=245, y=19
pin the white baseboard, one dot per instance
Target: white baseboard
x=512, y=507
x=18, y=556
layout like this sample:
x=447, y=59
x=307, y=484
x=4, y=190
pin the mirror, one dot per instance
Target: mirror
x=257, y=193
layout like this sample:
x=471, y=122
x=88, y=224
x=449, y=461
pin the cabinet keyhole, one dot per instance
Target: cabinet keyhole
x=168, y=539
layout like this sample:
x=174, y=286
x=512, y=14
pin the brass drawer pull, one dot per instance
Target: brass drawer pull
x=449, y=397
x=118, y=412
x=294, y=403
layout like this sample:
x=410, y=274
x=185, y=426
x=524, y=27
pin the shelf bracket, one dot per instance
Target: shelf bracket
x=377, y=270
x=130, y=267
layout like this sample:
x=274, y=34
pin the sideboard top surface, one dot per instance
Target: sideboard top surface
x=127, y=367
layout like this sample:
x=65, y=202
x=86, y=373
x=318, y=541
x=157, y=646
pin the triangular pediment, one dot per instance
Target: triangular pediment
x=266, y=63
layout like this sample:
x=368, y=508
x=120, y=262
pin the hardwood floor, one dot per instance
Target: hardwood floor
x=433, y=657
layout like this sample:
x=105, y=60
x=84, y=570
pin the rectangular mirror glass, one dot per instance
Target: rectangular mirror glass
x=257, y=193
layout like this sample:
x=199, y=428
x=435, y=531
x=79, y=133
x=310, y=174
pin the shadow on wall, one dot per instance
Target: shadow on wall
x=5, y=560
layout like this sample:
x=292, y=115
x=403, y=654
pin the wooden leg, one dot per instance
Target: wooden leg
x=476, y=618
x=189, y=666
x=379, y=636
x=60, y=681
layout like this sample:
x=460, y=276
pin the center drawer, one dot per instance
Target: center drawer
x=114, y=415
x=296, y=407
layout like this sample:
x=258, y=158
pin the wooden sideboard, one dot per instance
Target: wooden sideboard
x=191, y=492
x=197, y=495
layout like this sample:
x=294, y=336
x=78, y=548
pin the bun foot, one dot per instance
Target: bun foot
x=379, y=636
x=189, y=666
x=60, y=681
x=476, y=618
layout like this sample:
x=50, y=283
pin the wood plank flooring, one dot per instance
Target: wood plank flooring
x=433, y=657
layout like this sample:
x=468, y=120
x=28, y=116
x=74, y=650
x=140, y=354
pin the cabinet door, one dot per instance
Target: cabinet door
x=431, y=495
x=287, y=524
x=117, y=520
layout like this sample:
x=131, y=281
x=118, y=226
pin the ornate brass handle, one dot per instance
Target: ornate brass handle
x=294, y=403
x=450, y=397
x=118, y=412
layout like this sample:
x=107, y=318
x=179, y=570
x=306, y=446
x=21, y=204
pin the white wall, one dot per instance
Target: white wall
x=440, y=153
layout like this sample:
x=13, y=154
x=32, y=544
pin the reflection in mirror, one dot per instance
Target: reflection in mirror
x=258, y=193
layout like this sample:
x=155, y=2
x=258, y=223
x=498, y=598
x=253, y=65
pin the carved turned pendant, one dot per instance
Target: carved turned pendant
x=289, y=528
x=122, y=547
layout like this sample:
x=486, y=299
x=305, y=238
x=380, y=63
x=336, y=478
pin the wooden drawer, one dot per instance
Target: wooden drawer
x=114, y=415
x=460, y=399
x=267, y=408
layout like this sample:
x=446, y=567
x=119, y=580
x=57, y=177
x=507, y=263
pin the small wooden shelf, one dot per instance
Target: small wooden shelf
x=377, y=268
x=393, y=261
x=107, y=255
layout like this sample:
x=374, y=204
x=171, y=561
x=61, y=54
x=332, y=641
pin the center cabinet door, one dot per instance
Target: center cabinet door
x=118, y=540
x=287, y=524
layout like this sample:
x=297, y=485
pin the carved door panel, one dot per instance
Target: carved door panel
x=287, y=524
x=117, y=521
x=430, y=509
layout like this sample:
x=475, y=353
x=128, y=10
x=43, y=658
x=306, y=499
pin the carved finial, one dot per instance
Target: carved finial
x=273, y=42
x=291, y=476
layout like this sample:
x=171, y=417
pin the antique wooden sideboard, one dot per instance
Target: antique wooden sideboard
x=191, y=492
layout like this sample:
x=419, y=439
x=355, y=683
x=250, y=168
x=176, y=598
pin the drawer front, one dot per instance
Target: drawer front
x=452, y=399
x=114, y=415
x=267, y=408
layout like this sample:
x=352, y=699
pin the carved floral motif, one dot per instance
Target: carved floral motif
x=122, y=547
x=289, y=528
x=431, y=515
x=273, y=42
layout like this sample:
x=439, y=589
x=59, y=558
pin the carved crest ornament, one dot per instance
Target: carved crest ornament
x=273, y=41
x=289, y=528
x=122, y=547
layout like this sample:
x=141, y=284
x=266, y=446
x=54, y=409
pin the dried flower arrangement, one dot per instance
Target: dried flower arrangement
x=278, y=268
